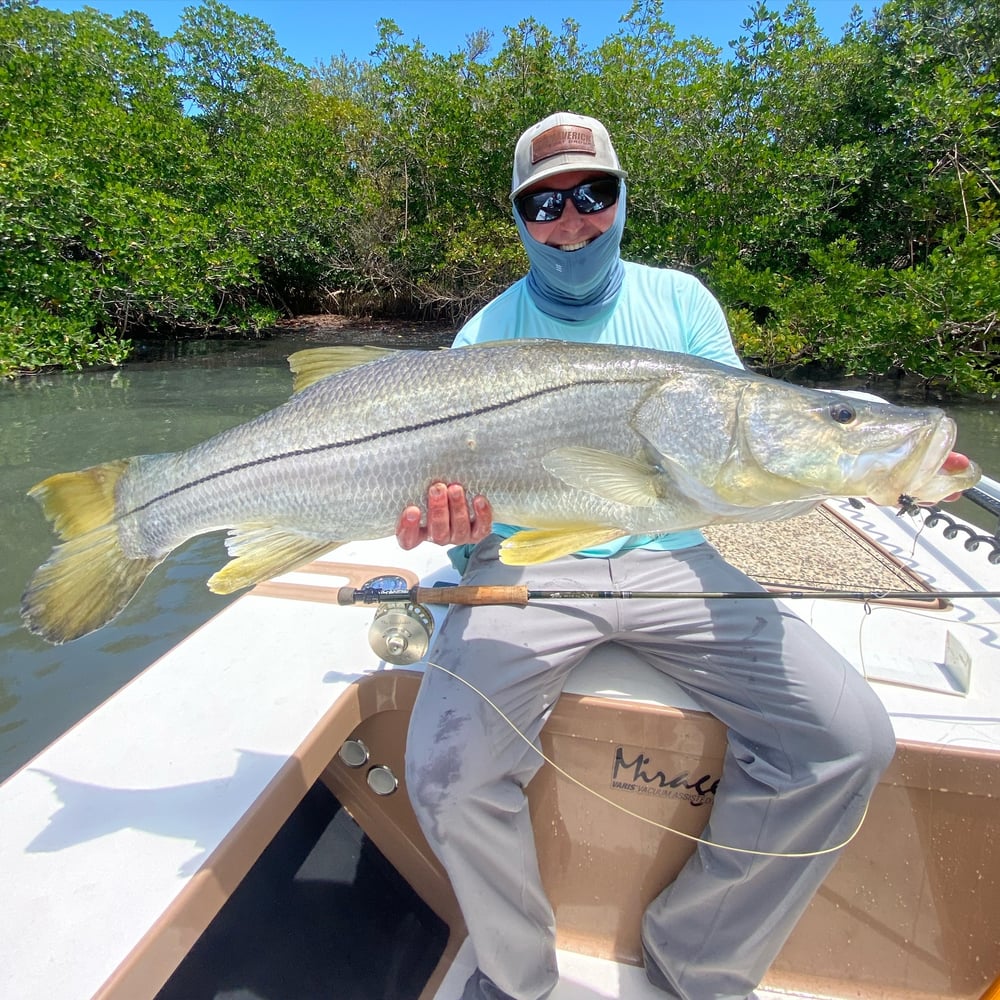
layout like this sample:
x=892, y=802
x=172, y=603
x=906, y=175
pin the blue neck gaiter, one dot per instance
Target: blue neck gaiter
x=581, y=283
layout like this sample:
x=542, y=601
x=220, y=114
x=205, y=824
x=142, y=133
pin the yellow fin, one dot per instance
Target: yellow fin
x=83, y=585
x=262, y=551
x=614, y=477
x=78, y=502
x=527, y=548
x=316, y=363
x=88, y=579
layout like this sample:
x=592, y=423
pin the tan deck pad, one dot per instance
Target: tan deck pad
x=818, y=549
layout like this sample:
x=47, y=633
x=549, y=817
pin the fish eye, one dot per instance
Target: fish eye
x=843, y=413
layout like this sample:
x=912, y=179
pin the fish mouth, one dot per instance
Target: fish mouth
x=909, y=477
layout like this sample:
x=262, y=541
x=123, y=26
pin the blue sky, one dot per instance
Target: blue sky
x=315, y=30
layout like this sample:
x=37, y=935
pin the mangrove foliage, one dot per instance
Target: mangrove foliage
x=840, y=196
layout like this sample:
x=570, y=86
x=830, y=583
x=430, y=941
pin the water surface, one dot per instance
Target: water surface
x=59, y=422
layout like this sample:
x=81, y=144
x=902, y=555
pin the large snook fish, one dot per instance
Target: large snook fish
x=580, y=443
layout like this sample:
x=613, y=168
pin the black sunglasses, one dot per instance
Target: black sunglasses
x=589, y=197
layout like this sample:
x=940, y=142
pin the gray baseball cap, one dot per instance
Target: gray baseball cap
x=562, y=141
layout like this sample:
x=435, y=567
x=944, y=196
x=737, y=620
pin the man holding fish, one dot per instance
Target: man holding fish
x=612, y=421
x=808, y=739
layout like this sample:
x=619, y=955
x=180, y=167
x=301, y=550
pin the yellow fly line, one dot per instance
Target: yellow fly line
x=645, y=819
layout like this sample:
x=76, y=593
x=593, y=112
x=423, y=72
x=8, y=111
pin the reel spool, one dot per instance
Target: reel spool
x=401, y=630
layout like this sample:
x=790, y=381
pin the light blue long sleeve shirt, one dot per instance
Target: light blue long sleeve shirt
x=657, y=308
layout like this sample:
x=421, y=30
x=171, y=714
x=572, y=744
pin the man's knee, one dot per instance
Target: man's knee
x=882, y=746
x=870, y=729
x=858, y=743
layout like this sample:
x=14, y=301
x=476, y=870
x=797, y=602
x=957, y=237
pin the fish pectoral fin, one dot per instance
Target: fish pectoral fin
x=316, y=363
x=529, y=547
x=702, y=496
x=630, y=481
x=263, y=551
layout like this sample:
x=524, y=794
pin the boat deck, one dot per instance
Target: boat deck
x=582, y=977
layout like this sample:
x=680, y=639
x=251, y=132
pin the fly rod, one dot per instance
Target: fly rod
x=521, y=595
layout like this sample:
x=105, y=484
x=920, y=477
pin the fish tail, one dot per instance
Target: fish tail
x=87, y=579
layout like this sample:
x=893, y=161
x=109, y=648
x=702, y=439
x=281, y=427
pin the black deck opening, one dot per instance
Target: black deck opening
x=321, y=916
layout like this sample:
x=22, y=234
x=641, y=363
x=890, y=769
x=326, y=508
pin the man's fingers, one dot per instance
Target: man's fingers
x=483, y=523
x=438, y=514
x=458, y=512
x=955, y=462
x=449, y=520
x=409, y=533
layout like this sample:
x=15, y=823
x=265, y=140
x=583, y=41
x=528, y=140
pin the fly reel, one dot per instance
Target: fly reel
x=401, y=630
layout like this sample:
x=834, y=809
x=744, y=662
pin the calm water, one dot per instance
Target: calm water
x=60, y=422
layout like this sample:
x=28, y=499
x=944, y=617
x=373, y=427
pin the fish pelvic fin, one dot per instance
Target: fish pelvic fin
x=88, y=579
x=526, y=548
x=263, y=551
x=317, y=363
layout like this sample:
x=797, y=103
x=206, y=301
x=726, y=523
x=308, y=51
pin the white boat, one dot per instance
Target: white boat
x=125, y=846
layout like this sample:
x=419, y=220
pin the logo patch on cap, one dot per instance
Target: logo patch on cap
x=563, y=139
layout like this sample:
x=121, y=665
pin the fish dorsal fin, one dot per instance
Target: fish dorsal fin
x=263, y=551
x=526, y=548
x=614, y=477
x=311, y=365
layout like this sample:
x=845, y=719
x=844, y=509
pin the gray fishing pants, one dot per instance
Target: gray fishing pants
x=807, y=742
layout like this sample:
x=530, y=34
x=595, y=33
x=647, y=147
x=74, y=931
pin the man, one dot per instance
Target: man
x=808, y=739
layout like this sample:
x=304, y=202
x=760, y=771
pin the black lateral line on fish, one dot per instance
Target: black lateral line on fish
x=331, y=445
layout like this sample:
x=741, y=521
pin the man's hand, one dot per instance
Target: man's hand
x=448, y=518
x=955, y=462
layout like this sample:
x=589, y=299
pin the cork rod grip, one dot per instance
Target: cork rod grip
x=472, y=595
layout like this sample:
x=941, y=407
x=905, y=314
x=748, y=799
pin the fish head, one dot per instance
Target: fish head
x=805, y=442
